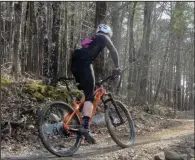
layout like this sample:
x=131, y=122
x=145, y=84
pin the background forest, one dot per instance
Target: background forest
x=154, y=39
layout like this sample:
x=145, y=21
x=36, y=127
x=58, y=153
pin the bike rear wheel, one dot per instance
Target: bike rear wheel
x=51, y=117
x=123, y=134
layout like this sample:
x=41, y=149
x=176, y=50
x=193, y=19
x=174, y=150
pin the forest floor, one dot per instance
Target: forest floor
x=176, y=138
x=154, y=133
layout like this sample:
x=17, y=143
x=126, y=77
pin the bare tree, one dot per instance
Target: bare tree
x=116, y=24
x=132, y=57
x=55, y=44
x=144, y=52
x=1, y=26
x=99, y=17
x=45, y=43
x=16, y=42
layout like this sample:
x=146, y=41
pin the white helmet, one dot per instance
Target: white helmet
x=105, y=29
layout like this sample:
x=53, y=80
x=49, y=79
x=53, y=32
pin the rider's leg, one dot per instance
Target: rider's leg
x=88, y=87
x=87, y=112
x=88, y=83
x=84, y=75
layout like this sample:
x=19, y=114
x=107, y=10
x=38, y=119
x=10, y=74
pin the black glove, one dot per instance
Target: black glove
x=116, y=71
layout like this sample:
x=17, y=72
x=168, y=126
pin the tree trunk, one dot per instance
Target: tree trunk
x=40, y=36
x=17, y=28
x=144, y=51
x=34, y=44
x=161, y=74
x=99, y=17
x=29, y=40
x=179, y=30
x=131, y=45
x=64, y=53
x=116, y=38
x=124, y=62
x=100, y=12
x=116, y=20
x=23, y=21
x=55, y=44
x=194, y=73
x=3, y=33
x=10, y=48
x=178, y=78
x=1, y=40
x=71, y=38
x=45, y=31
x=164, y=63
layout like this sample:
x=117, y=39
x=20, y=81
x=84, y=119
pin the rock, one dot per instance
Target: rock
x=183, y=157
x=159, y=156
x=170, y=155
x=33, y=138
x=38, y=146
x=98, y=120
x=190, y=152
x=121, y=157
x=31, y=126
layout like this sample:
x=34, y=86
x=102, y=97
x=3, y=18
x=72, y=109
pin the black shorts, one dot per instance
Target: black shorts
x=84, y=75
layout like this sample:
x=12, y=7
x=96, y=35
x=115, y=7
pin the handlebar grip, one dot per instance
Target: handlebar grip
x=118, y=87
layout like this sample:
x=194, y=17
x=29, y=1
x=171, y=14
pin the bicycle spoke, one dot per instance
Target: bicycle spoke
x=55, y=134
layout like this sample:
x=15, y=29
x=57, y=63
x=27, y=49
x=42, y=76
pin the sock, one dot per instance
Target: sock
x=85, y=122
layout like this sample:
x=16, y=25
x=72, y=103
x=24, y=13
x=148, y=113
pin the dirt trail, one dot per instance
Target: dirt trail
x=107, y=149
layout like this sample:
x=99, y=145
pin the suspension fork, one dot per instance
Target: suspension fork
x=115, y=106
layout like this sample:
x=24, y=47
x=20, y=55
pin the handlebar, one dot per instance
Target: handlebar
x=110, y=77
x=65, y=79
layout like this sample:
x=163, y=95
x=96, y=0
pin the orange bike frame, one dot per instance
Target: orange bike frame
x=99, y=92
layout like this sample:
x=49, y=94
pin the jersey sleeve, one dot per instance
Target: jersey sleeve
x=112, y=50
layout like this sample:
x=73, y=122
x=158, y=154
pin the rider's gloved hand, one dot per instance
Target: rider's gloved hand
x=116, y=79
x=116, y=71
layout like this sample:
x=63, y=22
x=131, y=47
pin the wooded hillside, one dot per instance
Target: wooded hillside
x=154, y=39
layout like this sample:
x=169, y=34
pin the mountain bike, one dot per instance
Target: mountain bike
x=70, y=116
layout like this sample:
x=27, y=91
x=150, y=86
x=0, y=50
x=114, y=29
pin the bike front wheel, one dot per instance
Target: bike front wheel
x=119, y=123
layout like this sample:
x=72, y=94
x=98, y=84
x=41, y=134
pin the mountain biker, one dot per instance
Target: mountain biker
x=82, y=69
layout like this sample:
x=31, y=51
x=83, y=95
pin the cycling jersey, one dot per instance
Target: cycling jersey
x=93, y=46
x=83, y=58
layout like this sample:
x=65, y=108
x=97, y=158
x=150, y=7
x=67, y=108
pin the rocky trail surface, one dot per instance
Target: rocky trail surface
x=179, y=138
